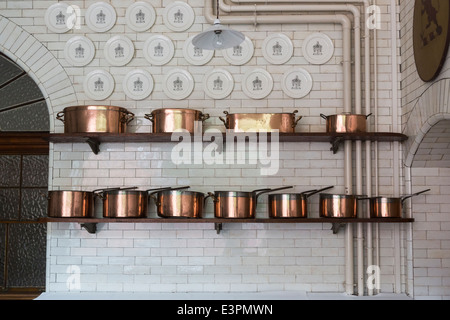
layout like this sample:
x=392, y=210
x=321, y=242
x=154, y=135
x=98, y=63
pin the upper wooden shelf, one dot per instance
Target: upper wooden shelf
x=95, y=139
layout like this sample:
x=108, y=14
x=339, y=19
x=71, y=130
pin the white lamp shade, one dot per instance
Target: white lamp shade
x=218, y=37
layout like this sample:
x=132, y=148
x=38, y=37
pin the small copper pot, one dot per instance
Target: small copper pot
x=248, y=122
x=338, y=206
x=95, y=119
x=176, y=203
x=346, y=123
x=70, y=204
x=237, y=204
x=291, y=205
x=170, y=120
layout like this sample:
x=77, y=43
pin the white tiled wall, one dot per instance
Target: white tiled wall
x=193, y=257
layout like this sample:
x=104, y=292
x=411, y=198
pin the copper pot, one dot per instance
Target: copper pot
x=386, y=207
x=237, y=205
x=248, y=122
x=70, y=204
x=346, y=123
x=291, y=205
x=338, y=206
x=170, y=120
x=95, y=119
x=124, y=203
x=176, y=203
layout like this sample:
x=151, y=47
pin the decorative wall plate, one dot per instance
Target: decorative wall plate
x=241, y=54
x=194, y=55
x=277, y=48
x=218, y=84
x=297, y=83
x=179, y=16
x=98, y=85
x=158, y=50
x=318, y=48
x=257, y=83
x=178, y=84
x=431, y=37
x=138, y=84
x=79, y=51
x=56, y=18
x=119, y=50
x=140, y=16
x=100, y=17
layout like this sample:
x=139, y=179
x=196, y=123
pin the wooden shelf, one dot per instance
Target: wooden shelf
x=96, y=139
x=90, y=223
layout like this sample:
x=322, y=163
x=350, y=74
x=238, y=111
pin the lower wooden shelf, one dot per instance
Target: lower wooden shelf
x=90, y=223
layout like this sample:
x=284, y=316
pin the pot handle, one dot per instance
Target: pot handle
x=151, y=195
x=323, y=116
x=60, y=116
x=225, y=122
x=368, y=116
x=296, y=120
x=313, y=192
x=212, y=195
x=413, y=195
x=166, y=188
x=127, y=117
x=204, y=116
x=149, y=116
x=262, y=191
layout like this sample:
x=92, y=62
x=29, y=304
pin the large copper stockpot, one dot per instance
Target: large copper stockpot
x=237, y=204
x=95, y=119
x=248, y=122
x=386, y=207
x=346, y=123
x=176, y=203
x=170, y=120
x=70, y=204
x=291, y=205
x=338, y=206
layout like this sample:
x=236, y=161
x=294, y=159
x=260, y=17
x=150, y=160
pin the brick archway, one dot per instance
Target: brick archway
x=432, y=107
x=40, y=64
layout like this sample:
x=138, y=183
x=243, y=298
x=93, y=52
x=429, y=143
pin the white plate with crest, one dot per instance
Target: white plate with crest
x=318, y=48
x=98, y=85
x=158, y=50
x=178, y=84
x=140, y=16
x=218, y=84
x=257, y=84
x=138, y=84
x=240, y=54
x=277, y=48
x=57, y=17
x=100, y=17
x=178, y=16
x=119, y=50
x=194, y=55
x=297, y=83
x=79, y=51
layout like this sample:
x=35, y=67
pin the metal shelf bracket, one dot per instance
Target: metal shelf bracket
x=218, y=227
x=94, y=144
x=336, y=227
x=89, y=227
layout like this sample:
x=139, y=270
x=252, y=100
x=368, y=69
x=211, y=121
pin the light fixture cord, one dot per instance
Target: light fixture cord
x=217, y=6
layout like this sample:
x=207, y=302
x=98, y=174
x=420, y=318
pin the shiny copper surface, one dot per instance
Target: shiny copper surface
x=170, y=120
x=248, y=122
x=337, y=206
x=125, y=204
x=288, y=206
x=382, y=207
x=98, y=119
x=179, y=204
x=70, y=204
x=346, y=123
x=234, y=205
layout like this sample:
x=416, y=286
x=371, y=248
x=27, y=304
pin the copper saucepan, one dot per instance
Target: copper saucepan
x=346, y=123
x=70, y=204
x=248, y=122
x=237, y=204
x=95, y=119
x=291, y=205
x=170, y=120
x=338, y=205
x=176, y=203
x=386, y=207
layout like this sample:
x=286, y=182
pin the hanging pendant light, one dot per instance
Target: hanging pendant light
x=218, y=37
